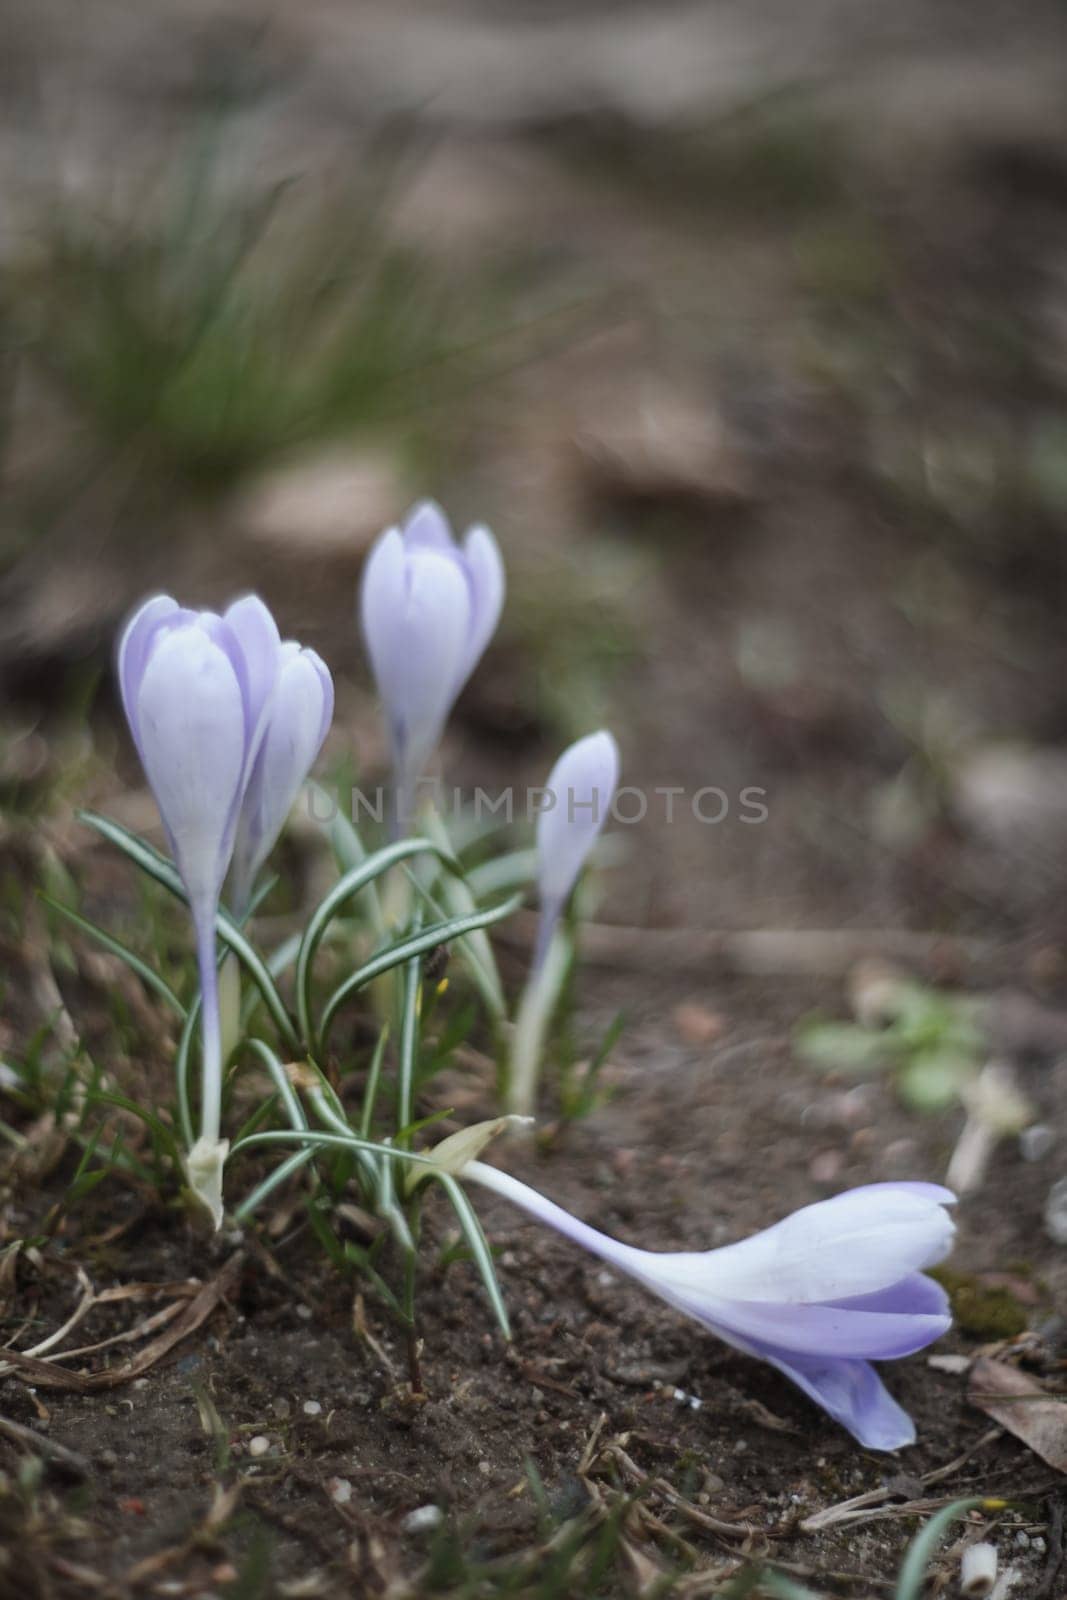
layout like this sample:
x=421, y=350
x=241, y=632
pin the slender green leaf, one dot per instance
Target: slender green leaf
x=920, y=1551
x=150, y=978
x=351, y=884
x=516, y=870
x=413, y=945
x=475, y=949
x=478, y=1245
x=274, y=1180
x=409, y=1045
x=181, y=1073
x=370, y=1090
x=163, y=872
x=287, y=1094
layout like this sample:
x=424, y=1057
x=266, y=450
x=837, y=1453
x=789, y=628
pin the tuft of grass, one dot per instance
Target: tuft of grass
x=212, y=326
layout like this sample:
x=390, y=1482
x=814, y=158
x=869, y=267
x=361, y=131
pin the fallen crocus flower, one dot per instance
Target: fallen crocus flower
x=429, y=607
x=819, y=1295
x=576, y=800
x=197, y=689
x=298, y=720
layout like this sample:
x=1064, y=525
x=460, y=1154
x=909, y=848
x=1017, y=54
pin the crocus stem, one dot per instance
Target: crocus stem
x=546, y=927
x=229, y=982
x=535, y=1012
x=210, y=1025
x=529, y=1200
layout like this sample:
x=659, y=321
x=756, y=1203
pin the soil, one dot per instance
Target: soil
x=858, y=589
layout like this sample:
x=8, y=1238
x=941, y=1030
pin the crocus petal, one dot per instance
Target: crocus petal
x=485, y=573
x=416, y=617
x=850, y=1245
x=427, y=528
x=191, y=717
x=582, y=786
x=809, y=1329
x=299, y=716
x=134, y=648
x=257, y=634
x=852, y=1393
x=916, y=1295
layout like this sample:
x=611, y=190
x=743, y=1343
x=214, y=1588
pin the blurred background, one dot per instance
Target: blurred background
x=744, y=325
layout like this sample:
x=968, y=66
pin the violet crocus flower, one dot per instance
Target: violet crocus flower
x=429, y=607
x=197, y=690
x=819, y=1295
x=298, y=721
x=577, y=799
x=579, y=792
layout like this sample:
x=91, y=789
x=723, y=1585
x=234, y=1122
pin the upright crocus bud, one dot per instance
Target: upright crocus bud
x=429, y=607
x=576, y=801
x=196, y=689
x=297, y=723
x=578, y=796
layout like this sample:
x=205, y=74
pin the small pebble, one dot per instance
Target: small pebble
x=1036, y=1141
x=485, y=1468
x=305, y=1313
x=1022, y=1539
x=259, y=1445
x=825, y=1166
x=1056, y=1212
x=340, y=1491
x=422, y=1519
x=312, y=1408
x=949, y=1363
x=1038, y=1545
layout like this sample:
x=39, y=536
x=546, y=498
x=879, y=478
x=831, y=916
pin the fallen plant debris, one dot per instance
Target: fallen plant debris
x=193, y=1307
x=1024, y=1406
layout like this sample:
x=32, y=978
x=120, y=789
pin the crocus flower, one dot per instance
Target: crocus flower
x=819, y=1295
x=298, y=721
x=579, y=792
x=429, y=607
x=577, y=799
x=197, y=689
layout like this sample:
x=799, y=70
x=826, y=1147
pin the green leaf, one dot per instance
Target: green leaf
x=351, y=884
x=280, y=1078
x=150, y=978
x=370, y=1088
x=840, y=1046
x=932, y=1080
x=918, y=1554
x=516, y=870
x=409, y=1045
x=413, y=945
x=157, y=867
x=478, y=1246
x=264, y=1190
x=475, y=950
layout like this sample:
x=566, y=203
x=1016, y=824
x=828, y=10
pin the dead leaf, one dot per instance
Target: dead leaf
x=1021, y=1405
x=197, y=1310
